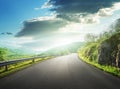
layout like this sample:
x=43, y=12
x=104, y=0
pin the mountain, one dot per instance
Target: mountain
x=64, y=50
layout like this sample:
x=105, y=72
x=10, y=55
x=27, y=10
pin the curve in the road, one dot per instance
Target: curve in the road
x=66, y=72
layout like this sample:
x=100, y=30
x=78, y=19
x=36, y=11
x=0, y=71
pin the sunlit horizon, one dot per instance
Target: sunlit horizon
x=37, y=27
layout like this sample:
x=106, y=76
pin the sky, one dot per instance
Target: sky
x=38, y=25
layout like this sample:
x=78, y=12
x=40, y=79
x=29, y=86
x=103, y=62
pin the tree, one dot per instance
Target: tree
x=90, y=37
x=3, y=54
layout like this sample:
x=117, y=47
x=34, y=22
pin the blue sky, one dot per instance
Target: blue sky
x=35, y=23
x=14, y=12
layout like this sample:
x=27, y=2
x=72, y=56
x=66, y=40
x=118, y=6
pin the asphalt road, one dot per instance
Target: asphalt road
x=65, y=72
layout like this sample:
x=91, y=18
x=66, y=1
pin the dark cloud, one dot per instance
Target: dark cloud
x=74, y=10
x=6, y=33
x=2, y=33
x=80, y=11
x=39, y=27
x=80, y=6
x=9, y=33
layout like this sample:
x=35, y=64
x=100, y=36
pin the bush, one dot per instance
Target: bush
x=90, y=51
x=3, y=54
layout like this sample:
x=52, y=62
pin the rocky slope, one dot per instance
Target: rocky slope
x=106, y=52
x=109, y=50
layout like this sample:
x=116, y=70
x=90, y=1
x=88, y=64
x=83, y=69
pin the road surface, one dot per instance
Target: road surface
x=65, y=72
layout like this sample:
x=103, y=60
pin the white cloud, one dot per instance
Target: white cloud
x=47, y=5
x=45, y=18
x=89, y=19
x=108, y=11
x=37, y=8
x=116, y=6
x=104, y=12
x=71, y=28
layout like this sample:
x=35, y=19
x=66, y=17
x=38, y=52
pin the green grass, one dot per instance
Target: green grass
x=110, y=69
x=19, y=66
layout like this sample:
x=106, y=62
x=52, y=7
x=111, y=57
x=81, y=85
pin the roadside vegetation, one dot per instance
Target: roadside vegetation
x=19, y=66
x=103, y=50
x=7, y=55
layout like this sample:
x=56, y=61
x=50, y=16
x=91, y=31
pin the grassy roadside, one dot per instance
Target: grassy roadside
x=109, y=69
x=19, y=66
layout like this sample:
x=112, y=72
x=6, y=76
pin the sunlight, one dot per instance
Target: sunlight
x=63, y=41
x=23, y=40
x=73, y=27
x=116, y=6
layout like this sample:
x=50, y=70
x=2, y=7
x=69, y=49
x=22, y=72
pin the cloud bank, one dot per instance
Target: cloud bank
x=80, y=6
x=82, y=10
x=40, y=26
x=67, y=12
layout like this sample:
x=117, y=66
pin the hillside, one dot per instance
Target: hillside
x=13, y=54
x=106, y=49
x=109, y=51
x=64, y=50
